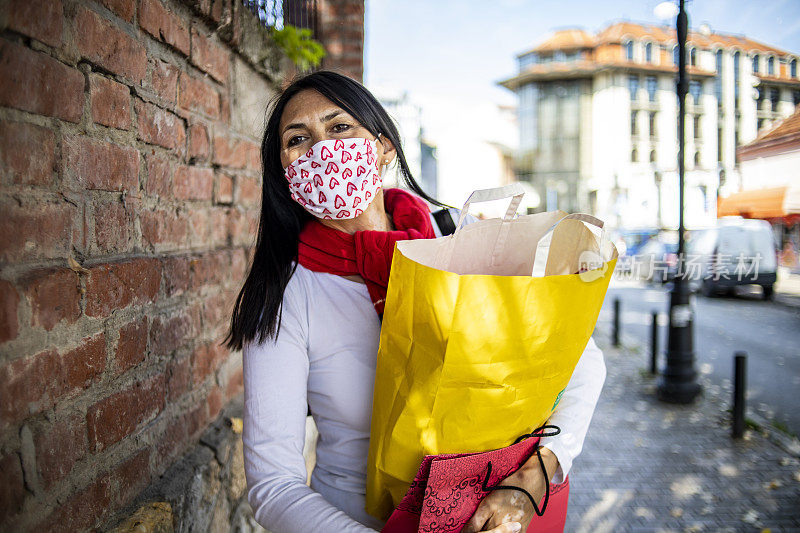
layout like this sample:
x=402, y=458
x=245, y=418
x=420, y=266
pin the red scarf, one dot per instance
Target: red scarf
x=366, y=253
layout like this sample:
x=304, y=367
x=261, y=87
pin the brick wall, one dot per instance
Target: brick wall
x=129, y=193
x=341, y=31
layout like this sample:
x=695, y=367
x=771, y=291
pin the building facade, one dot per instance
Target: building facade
x=598, y=119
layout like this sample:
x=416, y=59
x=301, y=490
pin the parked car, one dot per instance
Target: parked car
x=657, y=258
x=736, y=252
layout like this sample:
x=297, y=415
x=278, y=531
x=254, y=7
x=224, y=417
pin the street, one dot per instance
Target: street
x=769, y=332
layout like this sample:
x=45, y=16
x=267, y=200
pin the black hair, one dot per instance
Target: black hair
x=256, y=313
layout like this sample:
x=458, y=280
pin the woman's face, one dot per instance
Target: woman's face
x=309, y=118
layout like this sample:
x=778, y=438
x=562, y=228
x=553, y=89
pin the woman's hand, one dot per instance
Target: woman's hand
x=502, y=510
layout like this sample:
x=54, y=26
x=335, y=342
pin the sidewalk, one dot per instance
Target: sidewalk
x=652, y=466
x=787, y=288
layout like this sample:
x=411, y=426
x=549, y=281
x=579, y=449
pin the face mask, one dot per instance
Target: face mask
x=335, y=178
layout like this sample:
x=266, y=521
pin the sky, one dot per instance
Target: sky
x=461, y=48
x=448, y=55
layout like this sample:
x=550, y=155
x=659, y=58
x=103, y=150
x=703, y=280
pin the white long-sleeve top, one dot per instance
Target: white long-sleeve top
x=324, y=357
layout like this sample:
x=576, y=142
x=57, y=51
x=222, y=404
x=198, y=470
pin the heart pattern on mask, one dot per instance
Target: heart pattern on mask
x=346, y=183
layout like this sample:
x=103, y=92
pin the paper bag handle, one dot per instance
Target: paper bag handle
x=543, y=247
x=514, y=190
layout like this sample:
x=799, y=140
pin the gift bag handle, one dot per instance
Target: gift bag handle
x=512, y=190
x=543, y=246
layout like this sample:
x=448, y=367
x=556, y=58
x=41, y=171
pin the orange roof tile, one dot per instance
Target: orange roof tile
x=788, y=126
x=569, y=39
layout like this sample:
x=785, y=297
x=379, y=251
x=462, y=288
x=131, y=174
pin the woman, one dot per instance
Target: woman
x=308, y=315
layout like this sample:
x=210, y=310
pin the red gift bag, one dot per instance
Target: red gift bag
x=448, y=488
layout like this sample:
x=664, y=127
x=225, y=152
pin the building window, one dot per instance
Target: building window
x=629, y=51
x=718, y=79
x=796, y=97
x=793, y=68
x=652, y=86
x=651, y=119
x=634, y=123
x=696, y=126
x=774, y=98
x=756, y=60
x=759, y=124
x=759, y=98
x=633, y=87
x=719, y=144
x=736, y=136
x=696, y=90
x=634, y=155
x=736, y=58
x=648, y=52
x=675, y=55
x=697, y=160
x=528, y=60
x=771, y=66
x=693, y=57
x=652, y=156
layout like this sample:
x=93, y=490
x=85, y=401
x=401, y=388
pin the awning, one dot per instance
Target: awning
x=775, y=202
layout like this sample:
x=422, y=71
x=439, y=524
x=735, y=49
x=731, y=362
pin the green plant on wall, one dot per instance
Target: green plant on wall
x=299, y=46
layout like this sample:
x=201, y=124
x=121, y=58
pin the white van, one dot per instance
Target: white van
x=737, y=251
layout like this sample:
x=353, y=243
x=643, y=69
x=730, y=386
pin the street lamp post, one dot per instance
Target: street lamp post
x=678, y=381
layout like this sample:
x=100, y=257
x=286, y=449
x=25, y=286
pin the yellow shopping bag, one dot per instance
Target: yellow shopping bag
x=481, y=332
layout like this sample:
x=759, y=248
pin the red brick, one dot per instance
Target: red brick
x=101, y=165
x=27, y=153
x=220, y=231
x=40, y=19
x=41, y=231
x=12, y=489
x=199, y=147
x=217, y=310
x=179, y=377
x=239, y=265
x=162, y=228
x=54, y=295
x=214, y=403
x=230, y=152
x=165, y=26
x=249, y=191
x=200, y=223
x=158, y=126
x=210, y=56
x=238, y=228
x=123, y=8
x=132, y=345
x=83, y=510
x=159, y=177
x=9, y=303
x=177, y=276
x=103, y=43
x=132, y=476
x=83, y=364
x=111, y=103
x=193, y=183
x=118, y=415
x=208, y=269
x=117, y=285
x=165, y=81
x=235, y=384
x=58, y=447
x=29, y=385
x=198, y=96
x=167, y=334
x=179, y=433
x=224, y=192
x=35, y=82
x=34, y=383
x=113, y=228
x=206, y=359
